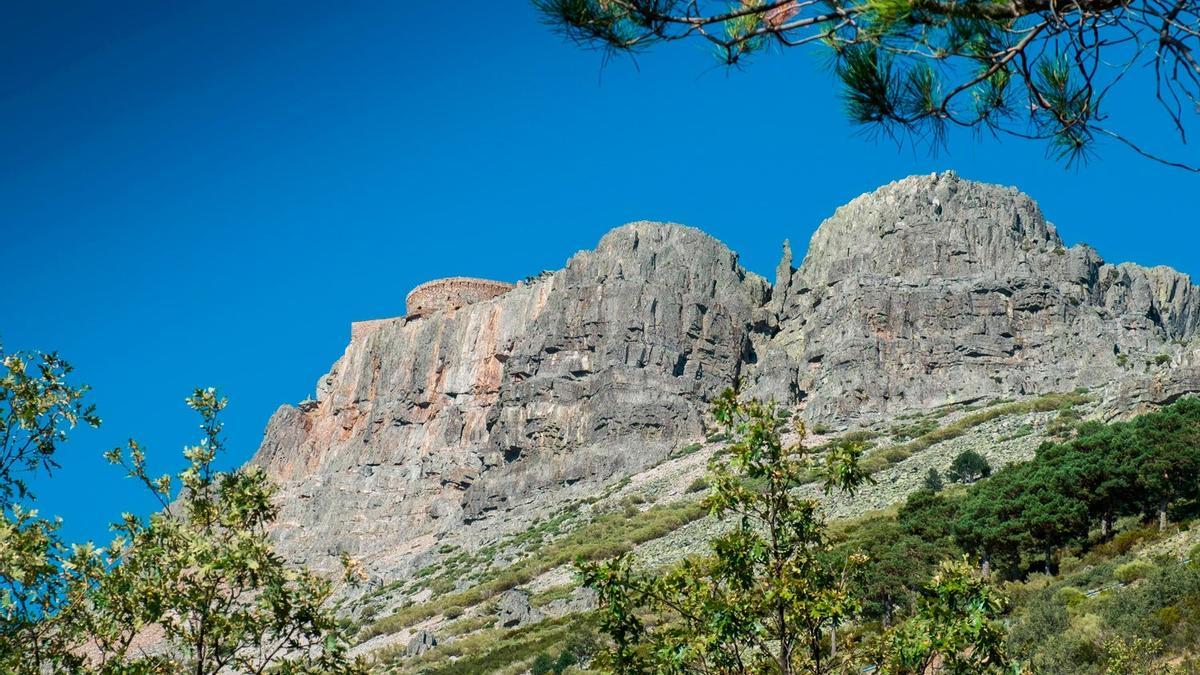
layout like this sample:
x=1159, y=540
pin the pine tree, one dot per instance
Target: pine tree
x=968, y=467
x=923, y=67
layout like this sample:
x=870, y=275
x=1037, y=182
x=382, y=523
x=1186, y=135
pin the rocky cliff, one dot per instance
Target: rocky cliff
x=462, y=421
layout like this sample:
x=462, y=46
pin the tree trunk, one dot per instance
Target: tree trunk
x=1106, y=525
x=1162, y=515
x=986, y=567
x=832, y=643
x=1049, y=559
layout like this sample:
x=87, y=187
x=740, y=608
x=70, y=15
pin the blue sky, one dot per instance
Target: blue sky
x=210, y=194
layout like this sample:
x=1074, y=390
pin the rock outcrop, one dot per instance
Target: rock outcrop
x=433, y=421
x=459, y=422
x=935, y=289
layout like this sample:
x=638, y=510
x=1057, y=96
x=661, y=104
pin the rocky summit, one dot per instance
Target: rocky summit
x=490, y=406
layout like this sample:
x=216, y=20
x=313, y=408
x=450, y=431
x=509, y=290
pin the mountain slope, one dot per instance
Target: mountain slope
x=467, y=421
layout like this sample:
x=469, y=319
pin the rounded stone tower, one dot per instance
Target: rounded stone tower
x=451, y=293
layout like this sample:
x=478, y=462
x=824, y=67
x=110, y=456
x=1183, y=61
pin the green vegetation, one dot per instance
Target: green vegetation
x=549, y=595
x=968, y=467
x=1058, y=627
x=200, y=574
x=605, y=536
x=39, y=626
x=685, y=450
x=203, y=570
x=915, y=429
x=1088, y=505
x=916, y=70
x=933, y=481
x=772, y=595
x=572, y=653
x=503, y=650
x=1084, y=505
x=886, y=457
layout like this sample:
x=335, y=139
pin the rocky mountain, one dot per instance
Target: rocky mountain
x=489, y=406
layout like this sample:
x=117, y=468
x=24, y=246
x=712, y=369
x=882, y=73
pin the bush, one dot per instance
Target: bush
x=1070, y=596
x=542, y=665
x=697, y=485
x=686, y=450
x=1125, y=541
x=453, y=612
x=1133, y=570
x=604, y=537
x=916, y=429
x=933, y=481
x=969, y=467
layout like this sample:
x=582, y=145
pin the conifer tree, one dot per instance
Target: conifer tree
x=1026, y=68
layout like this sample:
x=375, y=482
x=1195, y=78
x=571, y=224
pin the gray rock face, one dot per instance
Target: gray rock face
x=936, y=289
x=430, y=422
x=460, y=424
x=513, y=609
x=630, y=341
x=420, y=643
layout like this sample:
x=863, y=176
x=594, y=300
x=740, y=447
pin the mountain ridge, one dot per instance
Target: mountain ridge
x=457, y=425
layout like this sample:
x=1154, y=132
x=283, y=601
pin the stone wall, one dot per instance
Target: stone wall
x=452, y=293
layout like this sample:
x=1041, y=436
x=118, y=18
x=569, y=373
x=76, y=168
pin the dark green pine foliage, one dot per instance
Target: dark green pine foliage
x=969, y=467
x=918, y=68
x=933, y=481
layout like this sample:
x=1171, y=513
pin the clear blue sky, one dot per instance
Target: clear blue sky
x=210, y=194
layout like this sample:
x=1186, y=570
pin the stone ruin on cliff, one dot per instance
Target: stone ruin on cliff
x=451, y=293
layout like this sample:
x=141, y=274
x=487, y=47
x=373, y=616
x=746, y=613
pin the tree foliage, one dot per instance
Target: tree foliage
x=38, y=607
x=196, y=587
x=202, y=571
x=774, y=591
x=1027, y=68
x=38, y=408
x=957, y=628
x=1143, y=467
x=968, y=467
x=933, y=481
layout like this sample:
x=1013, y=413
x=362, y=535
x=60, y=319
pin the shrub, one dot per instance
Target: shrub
x=542, y=665
x=1070, y=596
x=1126, y=541
x=916, y=429
x=1133, y=570
x=969, y=467
x=697, y=485
x=605, y=537
x=453, y=612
